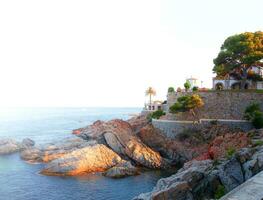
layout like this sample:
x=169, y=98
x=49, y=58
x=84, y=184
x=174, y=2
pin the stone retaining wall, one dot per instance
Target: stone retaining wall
x=172, y=128
x=220, y=104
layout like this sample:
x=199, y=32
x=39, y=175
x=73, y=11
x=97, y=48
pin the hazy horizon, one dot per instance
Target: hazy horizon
x=102, y=53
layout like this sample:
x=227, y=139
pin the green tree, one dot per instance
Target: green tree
x=195, y=89
x=187, y=103
x=150, y=92
x=170, y=90
x=187, y=85
x=255, y=115
x=156, y=114
x=238, y=54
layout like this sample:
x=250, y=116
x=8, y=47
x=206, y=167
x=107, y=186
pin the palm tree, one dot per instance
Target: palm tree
x=150, y=92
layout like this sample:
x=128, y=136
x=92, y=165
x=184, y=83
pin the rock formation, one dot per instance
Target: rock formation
x=203, y=179
x=8, y=146
x=95, y=158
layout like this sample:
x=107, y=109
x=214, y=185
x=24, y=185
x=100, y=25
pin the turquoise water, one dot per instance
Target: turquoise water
x=21, y=181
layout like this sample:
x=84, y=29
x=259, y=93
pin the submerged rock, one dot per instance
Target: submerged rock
x=96, y=158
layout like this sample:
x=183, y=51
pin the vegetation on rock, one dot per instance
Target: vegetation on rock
x=255, y=115
x=187, y=85
x=156, y=114
x=195, y=89
x=171, y=89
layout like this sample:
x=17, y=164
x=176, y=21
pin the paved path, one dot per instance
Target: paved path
x=252, y=189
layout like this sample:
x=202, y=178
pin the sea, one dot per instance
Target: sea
x=21, y=181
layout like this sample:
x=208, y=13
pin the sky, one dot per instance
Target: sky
x=75, y=53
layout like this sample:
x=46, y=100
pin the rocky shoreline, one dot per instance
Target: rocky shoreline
x=212, y=161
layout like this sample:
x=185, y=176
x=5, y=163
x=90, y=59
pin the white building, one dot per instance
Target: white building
x=229, y=82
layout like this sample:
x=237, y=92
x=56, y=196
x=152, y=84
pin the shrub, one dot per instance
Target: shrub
x=250, y=110
x=258, y=143
x=195, y=89
x=257, y=120
x=156, y=114
x=230, y=152
x=171, y=89
x=253, y=114
x=220, y=191
x=187, y=85
x=187, y=103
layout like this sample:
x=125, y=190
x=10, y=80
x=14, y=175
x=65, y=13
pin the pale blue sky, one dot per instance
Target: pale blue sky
x=106, y=53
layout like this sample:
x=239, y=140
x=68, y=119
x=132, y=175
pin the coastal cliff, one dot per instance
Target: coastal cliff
x=207, y=159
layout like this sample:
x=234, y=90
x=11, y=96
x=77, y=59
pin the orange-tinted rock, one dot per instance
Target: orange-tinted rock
x=97, y=158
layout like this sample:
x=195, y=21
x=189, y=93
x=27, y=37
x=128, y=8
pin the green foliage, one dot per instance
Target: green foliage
x=220, y=191
x=170, y=90
x=187, y=103
x=195, y=89
x=156, y=114
x=250, y=110
x=238, y=54
x=253, y=114
x=258, y=143
x=257, y=120
x=230, y=152
x=187, y=85
x=183, y=135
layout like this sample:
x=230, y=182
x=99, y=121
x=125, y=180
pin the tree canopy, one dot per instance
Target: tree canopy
x=238, y=54
x=187, y=85
x=187, y=103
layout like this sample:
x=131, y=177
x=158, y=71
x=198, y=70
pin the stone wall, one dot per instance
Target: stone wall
x=172, y=128
x=220, y=104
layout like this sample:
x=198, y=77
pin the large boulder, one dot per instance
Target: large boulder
x=96, y=158
x=121, y=138
x=8, y=146
x=188, y=181
x=230, y=174
x=254, y=165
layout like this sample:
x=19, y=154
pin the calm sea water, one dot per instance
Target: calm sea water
x=21, y=181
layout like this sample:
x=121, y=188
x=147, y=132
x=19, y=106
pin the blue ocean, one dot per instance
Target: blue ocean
x=22, y=181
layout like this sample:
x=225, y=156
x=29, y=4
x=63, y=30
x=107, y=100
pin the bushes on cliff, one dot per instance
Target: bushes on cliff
x=187, y=103
x=171, y=90
x=255, y=115
x=187, y=85
x=156, y=114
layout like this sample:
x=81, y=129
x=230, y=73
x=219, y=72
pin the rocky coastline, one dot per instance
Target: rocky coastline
x=211, y=162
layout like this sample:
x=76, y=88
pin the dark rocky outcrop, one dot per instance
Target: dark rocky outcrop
x=198, y=180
